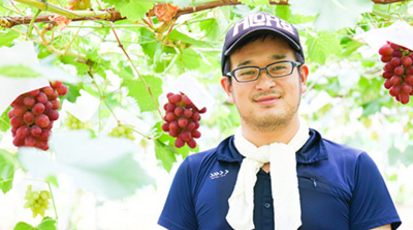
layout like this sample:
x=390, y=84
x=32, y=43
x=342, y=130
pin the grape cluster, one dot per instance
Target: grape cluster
x=398, y=71
x=38, y=202
x=73, y=123
x=182, y=120
x=122, y=131
x=33, y=115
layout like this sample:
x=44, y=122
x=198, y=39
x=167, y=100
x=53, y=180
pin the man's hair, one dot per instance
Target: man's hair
x=261, y=37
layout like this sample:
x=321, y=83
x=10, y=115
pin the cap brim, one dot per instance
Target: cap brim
x=286, y=37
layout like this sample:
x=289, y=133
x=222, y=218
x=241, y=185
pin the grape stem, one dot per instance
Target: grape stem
x=54, y=203
x=136, y=70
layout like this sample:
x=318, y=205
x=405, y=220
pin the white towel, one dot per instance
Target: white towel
x=284, y=182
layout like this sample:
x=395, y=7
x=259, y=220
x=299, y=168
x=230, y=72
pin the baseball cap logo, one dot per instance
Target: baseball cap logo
x=259, y=19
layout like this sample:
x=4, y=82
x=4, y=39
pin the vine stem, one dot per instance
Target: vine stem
x=101, y=94
x=54, y=203
x=136, y=70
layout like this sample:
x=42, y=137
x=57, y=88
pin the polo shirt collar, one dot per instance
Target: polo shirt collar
x=313, y=150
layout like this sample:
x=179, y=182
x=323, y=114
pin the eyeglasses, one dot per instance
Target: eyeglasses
x=274, y=70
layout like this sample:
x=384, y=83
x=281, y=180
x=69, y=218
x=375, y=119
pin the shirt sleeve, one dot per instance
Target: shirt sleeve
x=371, y=204
x=179, y=210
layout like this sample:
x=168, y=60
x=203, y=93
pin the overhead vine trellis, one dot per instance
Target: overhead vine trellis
x=111, y=14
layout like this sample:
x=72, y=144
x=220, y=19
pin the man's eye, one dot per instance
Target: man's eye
x=247, y=72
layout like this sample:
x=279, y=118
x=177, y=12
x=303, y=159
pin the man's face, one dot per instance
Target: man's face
x=267, y=103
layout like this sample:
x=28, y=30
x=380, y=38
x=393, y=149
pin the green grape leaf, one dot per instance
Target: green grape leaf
x=7, y=168
x=105, y=166
x=24, y=226
x=7, y=39
x=73, y=91
x=131, y=9
x=166, y=154
x=47, y=224
x=332, y=15
x=138, y=91
x=254, y=2
x=18, y=71
x=186, y=40
x=211, y=28
x=322, y=46
x=5, y=121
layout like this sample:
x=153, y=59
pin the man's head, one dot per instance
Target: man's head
x=267, y=87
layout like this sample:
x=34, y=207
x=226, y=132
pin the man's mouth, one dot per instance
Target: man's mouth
x=267, y=100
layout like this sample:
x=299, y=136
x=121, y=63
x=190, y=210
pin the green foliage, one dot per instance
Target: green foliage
x=47, y=224
x=7, y=38
x=255, y=2
x=138, y=90
x=5, y=121
x=7, y=167
x=322, y=46
x=332, y=15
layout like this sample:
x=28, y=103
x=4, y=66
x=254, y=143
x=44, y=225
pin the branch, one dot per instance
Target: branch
x=75, y=15
x=111, y=14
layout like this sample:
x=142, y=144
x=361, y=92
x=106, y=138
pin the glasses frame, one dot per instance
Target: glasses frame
x=294, y=63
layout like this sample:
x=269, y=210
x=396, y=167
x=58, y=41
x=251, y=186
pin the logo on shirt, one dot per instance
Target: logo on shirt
x=218, y=174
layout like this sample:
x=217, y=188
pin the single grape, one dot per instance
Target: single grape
x=386, y=58
x=388, y=67
x=45, y=134
x=185, y=135
x=30, y=141
x=399, y=70
x=41, y=97
x=18, y=142
x=62, y=90
x=56, y=84
x=165, y=127
x=179, y=111
x=28, y=118
x=42, y=120
x=48, y=90
x=396, y=80
x=17, y=101
x=38, y=108
x=407, y=61
x=170, y=116
x=19, y=110
x=34, y=93
x=182, y=122
x=29, y=102
x=48, y=106
x=36, y=131
x=396, y=61
x=196, y=116
x=406, y=88
x=409, y=79
x=179, y=143
x=53, y=115
x=173, y=126
x=387, y=75
x=188, y=113
x=173, y=133
x=385, y=50
x=176, y=98
x=394, y=90
x=191, y=143
x=16, y=121
x=169, y=107
x=404, y=98
x=196, y=134
x=191, y=125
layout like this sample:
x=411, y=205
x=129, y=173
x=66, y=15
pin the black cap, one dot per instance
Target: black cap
x=256, y=23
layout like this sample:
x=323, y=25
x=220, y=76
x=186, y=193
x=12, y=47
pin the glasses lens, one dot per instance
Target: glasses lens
x=246, y=74
x=280, y=69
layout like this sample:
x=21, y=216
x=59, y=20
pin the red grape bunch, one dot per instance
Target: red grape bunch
x=398, y=71
x=33, y=115
x=182, y=120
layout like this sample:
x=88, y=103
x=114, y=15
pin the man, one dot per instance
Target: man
x=275, y=172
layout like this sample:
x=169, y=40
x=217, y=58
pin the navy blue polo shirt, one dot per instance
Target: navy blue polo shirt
x=340, y=188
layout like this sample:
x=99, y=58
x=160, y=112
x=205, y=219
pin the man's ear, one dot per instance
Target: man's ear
x=304, y=71
x=227, y=87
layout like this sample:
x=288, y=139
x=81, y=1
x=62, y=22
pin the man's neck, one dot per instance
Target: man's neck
x=281, y=134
